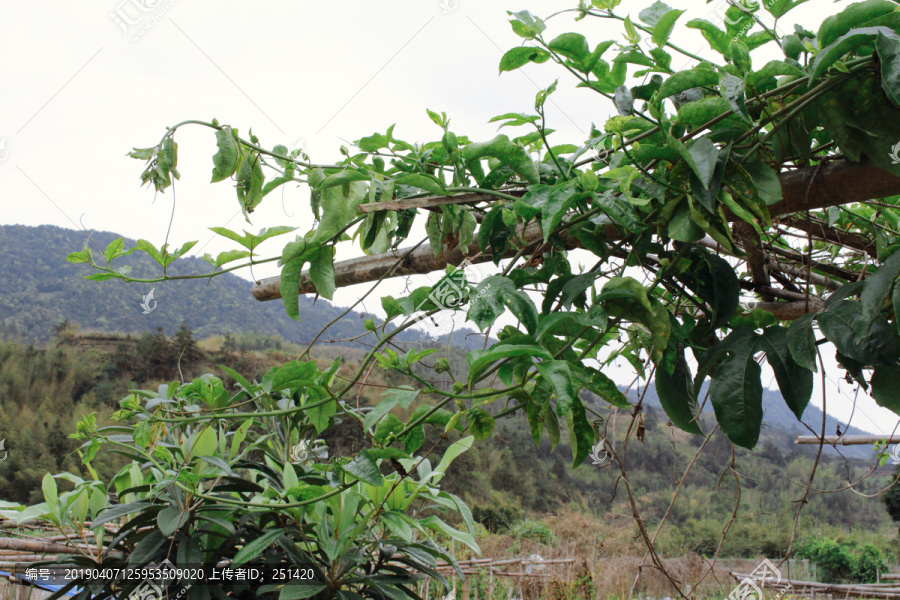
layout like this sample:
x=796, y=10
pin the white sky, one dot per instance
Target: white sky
x=79, y=92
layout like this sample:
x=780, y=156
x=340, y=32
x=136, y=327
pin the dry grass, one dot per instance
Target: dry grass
x=608, y=555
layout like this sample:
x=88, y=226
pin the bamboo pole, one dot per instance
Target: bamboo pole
x=39, y=547
x=845, y=590
x=847, y=440
x=838, y=182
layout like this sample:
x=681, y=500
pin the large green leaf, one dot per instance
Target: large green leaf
x=675, y=391
x=558, y=375
x=507, y=152
x=779, y=8
x=481, y=423
x=801, y=342
x=573, y=46
x=886, y=387
x=736, y=395
x=581, y=433
x=868, y=344
x=321, y=272
x=250, y=179
x=686, y=80
x=878, y=287
x=293, y=257
x=522, y=55
x=489, y=301
x=480, y=360
x=226, y=158
x=598, y=383
x=888, y=49
x=848, y=42
x=713, y=280
x=855, y=15
x=364, y=468
x=701, y=157
x=256, y=546
x=794, y=381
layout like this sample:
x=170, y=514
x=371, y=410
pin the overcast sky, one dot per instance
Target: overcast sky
x=85, y=82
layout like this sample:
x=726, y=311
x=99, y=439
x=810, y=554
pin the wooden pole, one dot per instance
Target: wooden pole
x=847, y=440
x=838, y=182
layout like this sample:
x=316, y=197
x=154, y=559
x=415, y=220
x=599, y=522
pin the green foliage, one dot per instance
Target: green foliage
x=533, y=530
x=839, y=562
x=644, y=193
x=228, y=482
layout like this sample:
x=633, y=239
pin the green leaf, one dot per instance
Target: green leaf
x=341, y=178
x=429, y=183
x=170, y=519
x=558, y=375
x=293, y=257
x=598, y=383
x=702, y=111
x=717, y=39
x=378, y=411
x=289, y=477
x=481, y=423
x=663, y=29
x=256, y=546
x=581, y=433
x=889, y=56
x=250, y=179
x=794, y=381
x=885, y=384
x=681, y=226
x=701, y=157
x=878, y=287
x=489, y=301
x=849, y=42
x=573, y=46
x=508, y=153
x=480, y=360
x=732, y=89
x=390, y=424
x=48, y=485
x=686, y=80
x=228, y=155
x=118, y=510
x=364, y=468
x=766, y=181
x=450, y=454
x=736, y=394
x=113, y=249
x=869, y=344
x=675, y=390
x=778, y=8
x=321, y=272
x=801, y=342
x=852, y=17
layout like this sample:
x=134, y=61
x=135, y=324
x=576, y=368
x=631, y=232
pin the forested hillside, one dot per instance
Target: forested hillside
x=509, y=483
x=40, y=289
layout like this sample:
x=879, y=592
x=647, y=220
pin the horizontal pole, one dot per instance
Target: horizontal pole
x=847, y=440
x=838, y=182
x=427, y=202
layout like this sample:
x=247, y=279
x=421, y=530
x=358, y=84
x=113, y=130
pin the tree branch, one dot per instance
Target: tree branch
x=838, y=182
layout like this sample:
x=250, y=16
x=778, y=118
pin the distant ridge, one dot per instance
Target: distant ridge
x=39, y=289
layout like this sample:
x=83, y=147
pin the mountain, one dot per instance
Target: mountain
x=40, y=289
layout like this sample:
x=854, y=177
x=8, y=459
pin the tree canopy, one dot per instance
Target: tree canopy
x=725, y=178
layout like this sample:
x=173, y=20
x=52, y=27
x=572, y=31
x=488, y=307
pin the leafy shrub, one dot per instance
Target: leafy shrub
x=838, y=561
x=534, y=530
x=496, y=519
